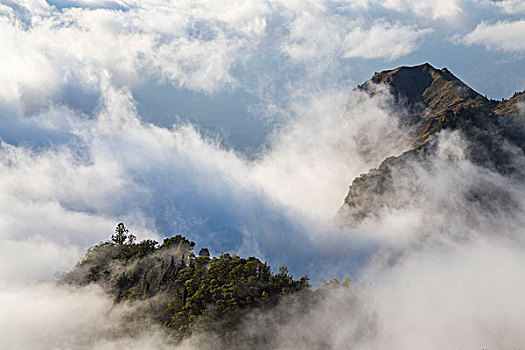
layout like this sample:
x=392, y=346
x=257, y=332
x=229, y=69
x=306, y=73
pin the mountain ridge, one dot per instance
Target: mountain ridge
x=432, y=101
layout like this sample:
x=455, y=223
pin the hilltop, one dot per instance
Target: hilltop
x=185, y=294
x=429, y=101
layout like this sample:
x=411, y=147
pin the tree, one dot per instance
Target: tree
x=121, y=234
x=131, y=238
x=204, y=252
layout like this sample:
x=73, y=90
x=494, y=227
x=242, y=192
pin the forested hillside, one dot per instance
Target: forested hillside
x=184, y=292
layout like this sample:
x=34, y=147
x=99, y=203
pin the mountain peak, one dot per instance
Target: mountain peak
x=427, y=89
x=436, y=100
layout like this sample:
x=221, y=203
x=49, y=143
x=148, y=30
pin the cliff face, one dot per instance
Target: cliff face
x=492, y=135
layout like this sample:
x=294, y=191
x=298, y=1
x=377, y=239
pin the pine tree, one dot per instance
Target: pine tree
x=121, y=234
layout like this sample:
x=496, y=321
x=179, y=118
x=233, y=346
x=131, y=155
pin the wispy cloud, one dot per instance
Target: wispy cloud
x=501, y=36
x=383, y=40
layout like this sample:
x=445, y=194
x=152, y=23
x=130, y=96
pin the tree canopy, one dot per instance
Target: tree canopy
x=201, y=293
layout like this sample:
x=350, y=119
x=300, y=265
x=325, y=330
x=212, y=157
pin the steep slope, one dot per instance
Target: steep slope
x=492, y=137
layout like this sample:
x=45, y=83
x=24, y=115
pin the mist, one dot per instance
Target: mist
x=78, y=154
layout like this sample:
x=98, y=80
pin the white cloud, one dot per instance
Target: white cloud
x=44, y=316
x=315, y=157
x=448, y=274
x=382, y=40
x=313, y=36
x=448, y=10
x=464, y=297
x=205, y=46
x=439, y=272
x=109, y=166
x=504, y=36
x=323, y=35
x=511, y=6
x=190, y=46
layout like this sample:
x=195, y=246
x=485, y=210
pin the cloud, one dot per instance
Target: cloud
x=311, y=34
x=104, y=165
x=77, y=46
x=315, y=35
x=76, y=158
x=442, y=269
x=465, y=296
x=45, y=316
x=448, y=273
x=382, y=40
x=448, y=10
x=80, y=167
x=337, y=136
x=511, y=6
x=501, y=36
x=460, y=296
x=159, y=181
x=210, y=47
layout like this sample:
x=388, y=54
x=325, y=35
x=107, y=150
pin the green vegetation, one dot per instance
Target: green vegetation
x=185, y=293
